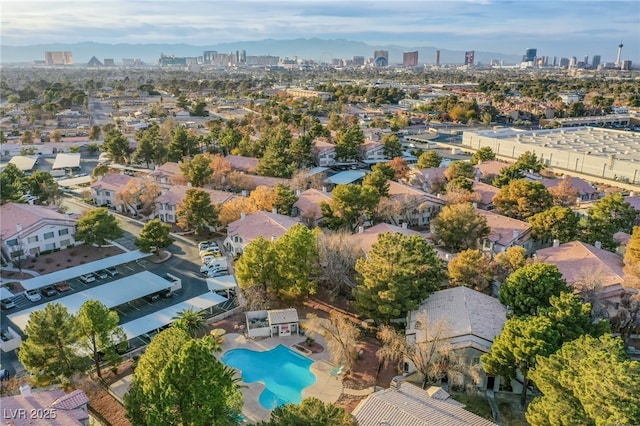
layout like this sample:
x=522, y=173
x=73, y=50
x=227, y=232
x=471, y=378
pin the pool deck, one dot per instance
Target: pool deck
x=326, y=388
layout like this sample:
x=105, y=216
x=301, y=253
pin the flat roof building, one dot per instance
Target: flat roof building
x=603, y=153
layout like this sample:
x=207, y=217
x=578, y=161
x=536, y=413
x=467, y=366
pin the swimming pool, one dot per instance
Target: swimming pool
x=283, y=372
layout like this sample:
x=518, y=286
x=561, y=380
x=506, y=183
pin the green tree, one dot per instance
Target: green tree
x=429, y=159
x=347, y=142
x=145, y=150
x=154, y=236
x=471, y=268
x=198, y=170
x=350, y=205
x=195, y=211
x=557, y=223
x=530, y=287
x=26, y=138
x=460, y=227
x=379, y=180
x=507, y=175
x=285, y=199
x=571, y=380
x=190, y=320
x=509, y=261
x=529, y=162
x=277, y=160
x=95, y=133
x=632, y=256
x=608, y=215
x=258, y=265
x=297, y=257
x=392, y=146
x=398, y=274
x=301, y=151
x=98, y=226
x=459, y=169
x=100, y=170
x=521, y=199
x=182, y=145
x=199, y=109
x=49, y=352
x=117, y=146
x=98, y=326
x=12, y=181
x=42, y=185
x=310, y=412
x=483, y=154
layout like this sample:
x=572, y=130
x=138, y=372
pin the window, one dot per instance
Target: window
x=62, y=232
x=17, y=253
x=107, y=193
x=12, y=243
x=65, y=243
x=33, y=239
x=48, y=235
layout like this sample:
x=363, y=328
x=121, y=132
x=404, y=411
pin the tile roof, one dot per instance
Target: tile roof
x=238, y=162
x=634, y=200
x=113, y=182
x=622, y=238
x=369, y=236
x=267, y=180
x=580, y=185
x=504, y=230
x=488, y=168
x=486, y=192
x=261, y=224
x=174, y=195
x=168, y=169
x=463, y=311
x=575, y=259
x=309, y=202
x=412, y=406
x=69, y=410
x=26, y=216
x=282, y=316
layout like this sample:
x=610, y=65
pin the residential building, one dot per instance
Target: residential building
x=581, y=262
x=372, y=152
x=64, y=409
x=242, y=164
x=407, y=404
x=584, y=190
x=411, y=206
x=307, y=207
x=106, y=188
x=166, y=205
x=258, y=224
x=505, y=232
x=484, y=195
x=168, y=174
x=488, y=170
x=430, y=180
x=465, y=319
x=29, y=230
x=324, y=153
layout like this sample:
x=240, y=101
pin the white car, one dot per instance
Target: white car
x=209, y=259
x=33, y=295
x=89, y=278
x=216, y=273
x=210, y=250
x=210, y=267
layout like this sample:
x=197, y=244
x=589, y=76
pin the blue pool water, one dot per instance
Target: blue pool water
x=283, y=372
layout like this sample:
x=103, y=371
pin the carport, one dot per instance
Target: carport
x=111, y=295
x=165, y=316
x=70, y=273
x=66, y=161
x=226, y=283
x=23, y=162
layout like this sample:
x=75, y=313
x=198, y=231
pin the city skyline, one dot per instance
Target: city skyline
x=554, y=28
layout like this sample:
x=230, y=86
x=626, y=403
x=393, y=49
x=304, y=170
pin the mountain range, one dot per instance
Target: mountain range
x=314, y=48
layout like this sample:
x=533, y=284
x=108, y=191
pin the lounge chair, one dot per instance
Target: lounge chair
x=336, y=371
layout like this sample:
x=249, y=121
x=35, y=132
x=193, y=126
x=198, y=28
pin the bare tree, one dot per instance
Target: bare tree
x=433, y=356
x=18, y=256
x=627, y=320
x=341, y=335
x=337, y=256
x=589, y=285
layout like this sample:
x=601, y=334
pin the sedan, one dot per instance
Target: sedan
x=49, y=291
x=33, y=295
x=102, y=274
x=89, y=278
x=62, y=287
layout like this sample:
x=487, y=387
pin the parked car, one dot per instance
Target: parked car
x=7, y=303
x=4, y=374
x=48, y=291
x=33, y=295
x=88, y=278
x=203, y=245
x=210, y=250
x=152, y=297
x=62, y=287
x=102, y=274
x=210, y=259
x=112, y=271
x=217, y=273
x=210, y=267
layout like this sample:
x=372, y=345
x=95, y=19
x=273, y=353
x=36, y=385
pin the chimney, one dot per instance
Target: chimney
x=25, y=390
x=324, y=189
x=274, y=210
x=597, y=245
x=19, y=227
x=405, y=225
x=244, y=193
x=243, y=215
x=360, y=229
x=632, y=194
x=475, y=205
x=298, y=192
x=556, y=243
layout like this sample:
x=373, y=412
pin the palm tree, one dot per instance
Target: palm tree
x=190, y=320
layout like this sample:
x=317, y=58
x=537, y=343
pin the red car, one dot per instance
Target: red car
x=62, y=287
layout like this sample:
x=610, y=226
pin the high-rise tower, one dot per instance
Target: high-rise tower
x=619, y=54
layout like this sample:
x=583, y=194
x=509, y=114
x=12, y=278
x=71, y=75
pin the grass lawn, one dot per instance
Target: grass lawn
x=510, y=411
x=477, y=404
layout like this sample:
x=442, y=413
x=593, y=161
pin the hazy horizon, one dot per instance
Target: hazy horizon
x=567, y=28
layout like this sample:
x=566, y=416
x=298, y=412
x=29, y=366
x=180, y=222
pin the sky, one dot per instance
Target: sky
x=556, y=27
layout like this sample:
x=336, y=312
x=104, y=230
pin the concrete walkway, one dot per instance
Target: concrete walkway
x=24, y=271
